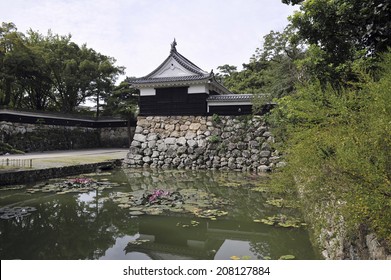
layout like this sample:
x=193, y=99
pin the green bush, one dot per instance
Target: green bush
x=338, y=148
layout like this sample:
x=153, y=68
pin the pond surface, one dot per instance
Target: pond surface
x=99, y=224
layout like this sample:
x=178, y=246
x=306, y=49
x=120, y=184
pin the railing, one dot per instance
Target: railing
x=16, y=162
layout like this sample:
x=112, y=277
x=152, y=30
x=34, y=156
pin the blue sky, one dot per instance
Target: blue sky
x=138, y=33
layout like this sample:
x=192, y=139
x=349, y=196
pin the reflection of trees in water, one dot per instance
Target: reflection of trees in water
x=280, y=241
x=65, y=228
x=85, y=226
x=260, y=249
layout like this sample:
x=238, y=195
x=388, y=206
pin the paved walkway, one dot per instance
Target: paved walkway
x=65, y=158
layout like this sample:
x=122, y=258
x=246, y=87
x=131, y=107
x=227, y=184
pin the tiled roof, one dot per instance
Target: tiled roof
x=198, y=73
x=146, y=80
x=230, y=97
x=195, y=75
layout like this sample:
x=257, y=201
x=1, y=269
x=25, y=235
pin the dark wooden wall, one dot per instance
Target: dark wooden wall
x=231, y=110
x=173, y=102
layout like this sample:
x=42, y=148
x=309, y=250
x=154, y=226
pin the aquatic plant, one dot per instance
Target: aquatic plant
x=287, y=257
x=7, y=213
x=282, y=221
x=157, y=195
x=73, y=185
x=156, y=202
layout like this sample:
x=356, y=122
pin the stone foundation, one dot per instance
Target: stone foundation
x=198, y=142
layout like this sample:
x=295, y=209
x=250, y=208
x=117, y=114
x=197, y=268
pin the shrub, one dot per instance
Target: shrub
x=338, y=148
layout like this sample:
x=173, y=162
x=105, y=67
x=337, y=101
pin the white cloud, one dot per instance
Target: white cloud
x=138, y=33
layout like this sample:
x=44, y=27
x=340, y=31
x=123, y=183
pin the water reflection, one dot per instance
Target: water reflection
x=92, y=226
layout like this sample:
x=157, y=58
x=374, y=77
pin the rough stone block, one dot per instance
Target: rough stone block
x=170, y=141
x=181, y=141
x=152, y=137
x=139, y=137
x=135, y=144
x=134, y=150
x=195, y=126
x=266, y=147
x=171, y=152
x=183, y=127
x=139, y=129
x=265, y=154
x=192, y=143
x=155, y=154
x=148, y=152
x=147, y=159
x=181, y=150
x=253, y=144
x=169, y=127
x=190, y=135
x=151, y=144
x=263, y=168
x=162, y=147
x=137, y=157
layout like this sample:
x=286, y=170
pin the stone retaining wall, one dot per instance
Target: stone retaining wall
x=40, y=137
x=198, y=142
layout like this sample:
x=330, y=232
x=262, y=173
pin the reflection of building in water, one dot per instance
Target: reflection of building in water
x=168, y=239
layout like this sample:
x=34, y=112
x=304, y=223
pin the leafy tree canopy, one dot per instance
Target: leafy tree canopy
x=339, y=32
x=50, y=72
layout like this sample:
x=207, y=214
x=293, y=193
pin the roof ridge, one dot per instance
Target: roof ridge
x=182, y=60
x=187, y=61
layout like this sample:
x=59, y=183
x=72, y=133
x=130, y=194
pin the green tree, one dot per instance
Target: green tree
x=340, y=32
x=105, y=75
x=51, y=72
x=71, y=78
x=272, y=71
x=123, y=101
x=13, y=62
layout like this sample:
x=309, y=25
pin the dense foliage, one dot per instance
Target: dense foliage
x=271, y=71
x=51, y=72
x=329, y=72
x=338, y=146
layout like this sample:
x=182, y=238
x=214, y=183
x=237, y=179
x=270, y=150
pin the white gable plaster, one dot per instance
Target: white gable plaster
x=198, y=89
x=172, y=69
x=147, y=92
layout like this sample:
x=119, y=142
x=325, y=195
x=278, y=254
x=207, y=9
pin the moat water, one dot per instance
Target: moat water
x=92, y=225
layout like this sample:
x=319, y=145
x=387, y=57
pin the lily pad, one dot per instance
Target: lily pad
x=277, y=202
x=177, y=210
x=160, y=201
x=135, y=208
x=72, y=185
x=282, y=221
x=153, y=211
x=136, y=213
x=124, y=206
x=287, y=257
